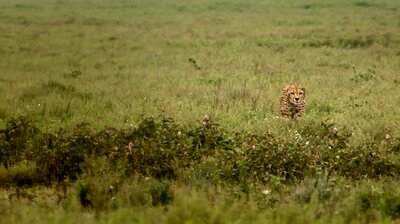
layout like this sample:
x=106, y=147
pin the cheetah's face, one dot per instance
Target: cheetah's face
x=296, y=95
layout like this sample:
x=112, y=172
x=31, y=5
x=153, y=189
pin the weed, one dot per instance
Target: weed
x=348, y=43
x=74, y=74
x=160, y=193
x=195, y=65
x=15, y=139
x=364, y=4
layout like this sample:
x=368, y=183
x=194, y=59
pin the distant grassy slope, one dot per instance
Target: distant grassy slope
x=108, y=62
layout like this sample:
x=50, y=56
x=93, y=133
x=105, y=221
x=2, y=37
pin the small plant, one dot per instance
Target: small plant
x=55, y=86
x=161, y=193
x=364, y=76
x=364, y=4
x=73, y=74
x=194, y=63
x=83, y=195
x=349, y=42
x=15, y=139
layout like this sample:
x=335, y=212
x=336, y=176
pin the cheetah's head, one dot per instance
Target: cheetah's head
x=296, y=94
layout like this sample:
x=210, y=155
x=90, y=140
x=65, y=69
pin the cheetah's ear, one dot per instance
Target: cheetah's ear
x=304, y=90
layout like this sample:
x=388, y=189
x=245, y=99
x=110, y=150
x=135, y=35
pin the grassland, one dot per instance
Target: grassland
x=140, y=72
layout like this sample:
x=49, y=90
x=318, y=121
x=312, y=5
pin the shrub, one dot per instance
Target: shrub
x=162, y=149
x=14, y=140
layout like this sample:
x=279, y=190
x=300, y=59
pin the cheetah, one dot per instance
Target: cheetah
x=292, y=101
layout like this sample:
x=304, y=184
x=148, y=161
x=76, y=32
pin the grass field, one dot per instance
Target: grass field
x=144, y=73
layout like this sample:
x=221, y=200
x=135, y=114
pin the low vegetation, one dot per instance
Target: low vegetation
x=159, y=163
x=167, y=111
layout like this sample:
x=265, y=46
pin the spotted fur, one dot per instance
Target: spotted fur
x=292, y=101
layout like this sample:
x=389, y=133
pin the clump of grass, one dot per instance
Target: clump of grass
x=73, y=74
x=57, y=86
x=364, y=4
x=368, y=75
x=21, y=174
x=161, y=193
x=347, y=43
x=3, y=113
x=15, y=139
x=47, y=88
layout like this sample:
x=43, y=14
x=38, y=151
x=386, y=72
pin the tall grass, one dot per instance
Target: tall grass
x=112, y=64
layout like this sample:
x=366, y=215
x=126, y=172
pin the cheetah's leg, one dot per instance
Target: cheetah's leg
x=285, y=116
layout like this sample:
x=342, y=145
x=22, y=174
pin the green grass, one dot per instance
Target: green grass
x=111, y=63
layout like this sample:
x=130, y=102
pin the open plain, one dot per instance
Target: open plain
x=145, y=111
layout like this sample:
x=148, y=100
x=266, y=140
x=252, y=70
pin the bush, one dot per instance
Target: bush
x=162, y=149
x=14, y=140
